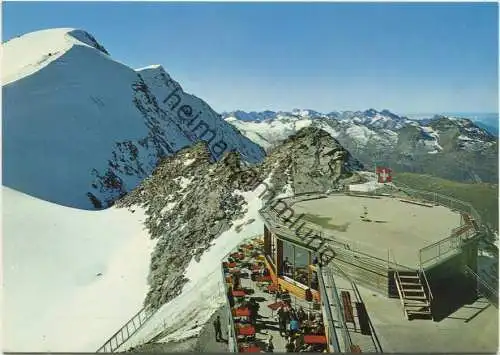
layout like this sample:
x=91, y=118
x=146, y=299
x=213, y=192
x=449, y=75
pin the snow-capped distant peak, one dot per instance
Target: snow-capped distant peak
x=151, y=67
x=33, y=51
x=306, y=113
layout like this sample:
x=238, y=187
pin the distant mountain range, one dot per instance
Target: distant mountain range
x=451, y=147
x=487, y=121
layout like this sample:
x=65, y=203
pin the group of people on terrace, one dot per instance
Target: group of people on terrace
x=295, y=324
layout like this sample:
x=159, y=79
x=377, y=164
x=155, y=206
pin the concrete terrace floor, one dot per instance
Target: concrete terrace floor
x=402, y=227
x=472, y=328
x=367, y=343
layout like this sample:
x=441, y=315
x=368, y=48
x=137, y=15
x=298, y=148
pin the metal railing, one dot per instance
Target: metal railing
x=346, y=339
x=441, y=249
x=450, y=202
x=132, y=326
x=427, y=286
x=231, y=334
x=397, y=281
x=483, y=287
x=354, y=287
x=429, y=253
x=232, y=338
x=125, y=332
x=339, y=245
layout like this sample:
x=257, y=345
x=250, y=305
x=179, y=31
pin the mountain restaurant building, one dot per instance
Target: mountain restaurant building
x=292, y=266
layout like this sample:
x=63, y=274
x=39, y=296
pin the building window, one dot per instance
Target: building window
x=296, y=263
x=314, y=274
x=273, y=248
x=301, y=266
x=267, y=241
x=288, y=255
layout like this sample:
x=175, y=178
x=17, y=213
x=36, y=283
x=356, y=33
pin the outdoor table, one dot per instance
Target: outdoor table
x=267, y=278
x=314, y=339
x=250, y=349
x=272, y=288
x=275, y=306
x=238, y=293
x=246, y=330
x=242, y=312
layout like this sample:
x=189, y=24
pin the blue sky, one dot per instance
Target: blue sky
x=409, y=58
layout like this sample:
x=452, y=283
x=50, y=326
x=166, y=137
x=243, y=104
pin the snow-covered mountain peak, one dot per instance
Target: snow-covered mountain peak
x=157, y=67
x=307, y=113
x=29, y=53
x=94, y=127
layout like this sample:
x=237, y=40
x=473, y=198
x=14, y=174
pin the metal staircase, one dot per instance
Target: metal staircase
x=414, y=293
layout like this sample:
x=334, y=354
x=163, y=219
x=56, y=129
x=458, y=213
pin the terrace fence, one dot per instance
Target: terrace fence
x=330, y=298
x=125, y=332
x=377, y=346
x=447, y=246
x=427, y=255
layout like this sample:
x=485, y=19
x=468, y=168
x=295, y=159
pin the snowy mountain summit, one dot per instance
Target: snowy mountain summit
x=81, y=129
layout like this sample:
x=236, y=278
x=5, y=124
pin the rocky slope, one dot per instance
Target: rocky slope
x=190, y=199
x=452, y=148
x=81, y=129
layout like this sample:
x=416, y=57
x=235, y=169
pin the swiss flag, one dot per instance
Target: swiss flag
x=384, y=174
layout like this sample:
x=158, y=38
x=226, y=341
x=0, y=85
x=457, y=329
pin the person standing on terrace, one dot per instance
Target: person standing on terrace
x=218, y=330
x=282, y=320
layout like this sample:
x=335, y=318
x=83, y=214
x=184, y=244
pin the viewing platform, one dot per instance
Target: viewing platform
x=403, y=243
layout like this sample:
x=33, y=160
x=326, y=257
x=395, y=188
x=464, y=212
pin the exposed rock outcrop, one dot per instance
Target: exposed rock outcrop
x=190, y=199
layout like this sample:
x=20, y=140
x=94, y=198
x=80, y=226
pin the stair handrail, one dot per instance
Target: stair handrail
x=481, y=280
x=428, y=287
x=398, y=281
x=142, y=316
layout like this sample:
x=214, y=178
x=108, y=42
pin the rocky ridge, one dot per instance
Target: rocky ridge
x=190, y=199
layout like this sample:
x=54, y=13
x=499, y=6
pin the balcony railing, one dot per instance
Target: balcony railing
x=428, y=254
x=125, y=332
